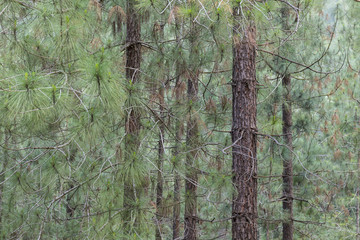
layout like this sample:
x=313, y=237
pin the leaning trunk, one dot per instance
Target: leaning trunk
x=244, y=165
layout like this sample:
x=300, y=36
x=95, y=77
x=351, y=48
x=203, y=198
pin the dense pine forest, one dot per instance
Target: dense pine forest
x=180, y=119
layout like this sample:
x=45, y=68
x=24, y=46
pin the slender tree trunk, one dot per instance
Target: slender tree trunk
x=357, y=201
x=70, y=209
x=160, y=180
x=177, y=183
x=177, y=179
x=288, y=224
x=159, y=35
x=244, y=164
x=192, y=139
x=176, y=210
x=2, y=179
x=191, y=171
x=132, y=124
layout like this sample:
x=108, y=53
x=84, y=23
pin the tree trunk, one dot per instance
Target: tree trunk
x=288, y=224
x=176, y=210
x=357, y=201
x=177, y=179
x=244, y=164
x=160, y=180
x=288, y=228
x=132, y=121
x=192, y=139
x=2, y=179
x=191, y=169
x=133, y=50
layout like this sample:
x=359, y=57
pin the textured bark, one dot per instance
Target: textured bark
x=192, y=138
x=288, y=228
x=132, y=121
x=244, y=164
x=133, y=50
x=288, y=224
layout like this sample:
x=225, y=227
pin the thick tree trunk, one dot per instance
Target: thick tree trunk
x=132, y=124
x=288, y=228
x=192, y=139
x=288, y=224
x=244, y=165
x=133, y=50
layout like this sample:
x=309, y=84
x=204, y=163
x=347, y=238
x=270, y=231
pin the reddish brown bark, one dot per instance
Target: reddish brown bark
x=133, y=50
x=244, y=164
x=132, y=122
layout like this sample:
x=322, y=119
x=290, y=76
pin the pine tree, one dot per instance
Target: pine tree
x=178, y=126
x=288, y=224
x=132, y=184
x=159, y=36
x=192, y=133
x=243, y=132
